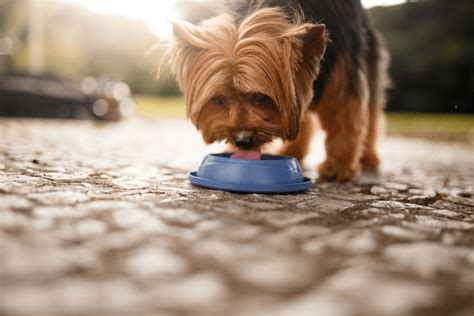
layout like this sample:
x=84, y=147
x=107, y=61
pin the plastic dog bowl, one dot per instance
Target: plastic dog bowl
x=270, y=174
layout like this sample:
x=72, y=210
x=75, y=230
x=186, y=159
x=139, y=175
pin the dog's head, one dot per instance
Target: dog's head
x=247, y=83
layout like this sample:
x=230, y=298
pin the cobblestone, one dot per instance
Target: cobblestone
x=99, y=219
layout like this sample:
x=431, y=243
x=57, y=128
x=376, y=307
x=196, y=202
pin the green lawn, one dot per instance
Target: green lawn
x=434, y=126
x=456, y=127
x=152, y=106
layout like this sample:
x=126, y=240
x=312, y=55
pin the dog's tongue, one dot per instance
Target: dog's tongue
x=247, y=155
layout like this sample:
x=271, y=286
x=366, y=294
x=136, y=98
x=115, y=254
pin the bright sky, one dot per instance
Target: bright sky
x=157, y=13
x=373, y=3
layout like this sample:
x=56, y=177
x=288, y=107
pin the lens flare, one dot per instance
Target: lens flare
x=155, y=14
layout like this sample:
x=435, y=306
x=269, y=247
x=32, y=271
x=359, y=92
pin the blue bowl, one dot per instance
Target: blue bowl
x=271, y=174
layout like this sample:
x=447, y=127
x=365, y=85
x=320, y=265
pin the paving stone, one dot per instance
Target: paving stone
x=72, y=295
x=358, y=291
x=89, y=228
x=138, y=218
x=13, y=220
x=221, y=251
x=198, y=290
x=13, y=201
x=302, y=232
x=402, y=233
x=105, y=205
x=277, y=275
x=350, y=240
x=58, y=211
x=100, y=219
x=419, y=256
x=447, y=213
x=325, y=205
x=447, y=224
x=130, y=184
x=178, y=216
x=17, y=268
x=235, y=231
x=58, y=197
x=286, y=218
x=396, y=205
x=152, y=262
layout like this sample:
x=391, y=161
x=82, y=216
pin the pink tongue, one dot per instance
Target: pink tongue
x=247, y=155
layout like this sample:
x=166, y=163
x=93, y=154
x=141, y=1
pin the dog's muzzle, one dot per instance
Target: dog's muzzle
x=244, y=139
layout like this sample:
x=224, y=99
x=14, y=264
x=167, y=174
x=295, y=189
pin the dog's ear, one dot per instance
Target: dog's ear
x=210, y=34
x=313, y=46
x=188, y=35
x=314, y=41
x=193, y=56
x=310, y=45
x=181, y=55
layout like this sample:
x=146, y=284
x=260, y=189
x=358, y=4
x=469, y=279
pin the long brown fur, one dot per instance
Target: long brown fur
x=257, y=75
x=266, y=54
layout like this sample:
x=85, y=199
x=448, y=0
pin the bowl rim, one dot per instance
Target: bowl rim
x=304, y=185
x=225, y=158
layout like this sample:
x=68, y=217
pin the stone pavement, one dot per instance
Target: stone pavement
x=100, y=219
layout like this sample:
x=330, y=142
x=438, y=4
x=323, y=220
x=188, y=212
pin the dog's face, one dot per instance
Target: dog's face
x=249, y=83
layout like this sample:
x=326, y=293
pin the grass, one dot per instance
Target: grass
x=445, y=127
x=151, y=106
x=448, y=127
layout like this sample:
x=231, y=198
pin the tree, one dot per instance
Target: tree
x=431, y=44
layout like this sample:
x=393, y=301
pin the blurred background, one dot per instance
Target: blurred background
x=88, y=59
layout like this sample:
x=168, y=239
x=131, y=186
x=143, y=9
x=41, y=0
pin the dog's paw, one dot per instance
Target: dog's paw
x=332, y=170
x=370, y=161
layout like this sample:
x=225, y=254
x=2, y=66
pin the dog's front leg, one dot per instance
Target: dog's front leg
x=345, y=134
x=344, y=116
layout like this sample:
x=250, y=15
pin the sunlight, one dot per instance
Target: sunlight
x=158, y=14
x=155, y=14
x=373, y=3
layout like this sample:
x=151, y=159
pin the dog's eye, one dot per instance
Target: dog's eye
x=261, y=99
x=218, y=100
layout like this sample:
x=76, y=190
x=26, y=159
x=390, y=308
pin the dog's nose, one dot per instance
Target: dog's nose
x=244, y=140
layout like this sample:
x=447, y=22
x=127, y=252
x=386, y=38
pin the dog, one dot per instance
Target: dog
x=260, y=73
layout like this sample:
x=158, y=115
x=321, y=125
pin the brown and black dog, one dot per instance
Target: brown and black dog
x=257, y=74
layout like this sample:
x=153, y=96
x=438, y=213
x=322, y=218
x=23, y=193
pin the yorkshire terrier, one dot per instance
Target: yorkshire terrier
x=258, y=75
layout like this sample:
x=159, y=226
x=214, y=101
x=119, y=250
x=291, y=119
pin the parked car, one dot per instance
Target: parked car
x=53, y=97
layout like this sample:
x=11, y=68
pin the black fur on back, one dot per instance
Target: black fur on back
x=350, y=31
